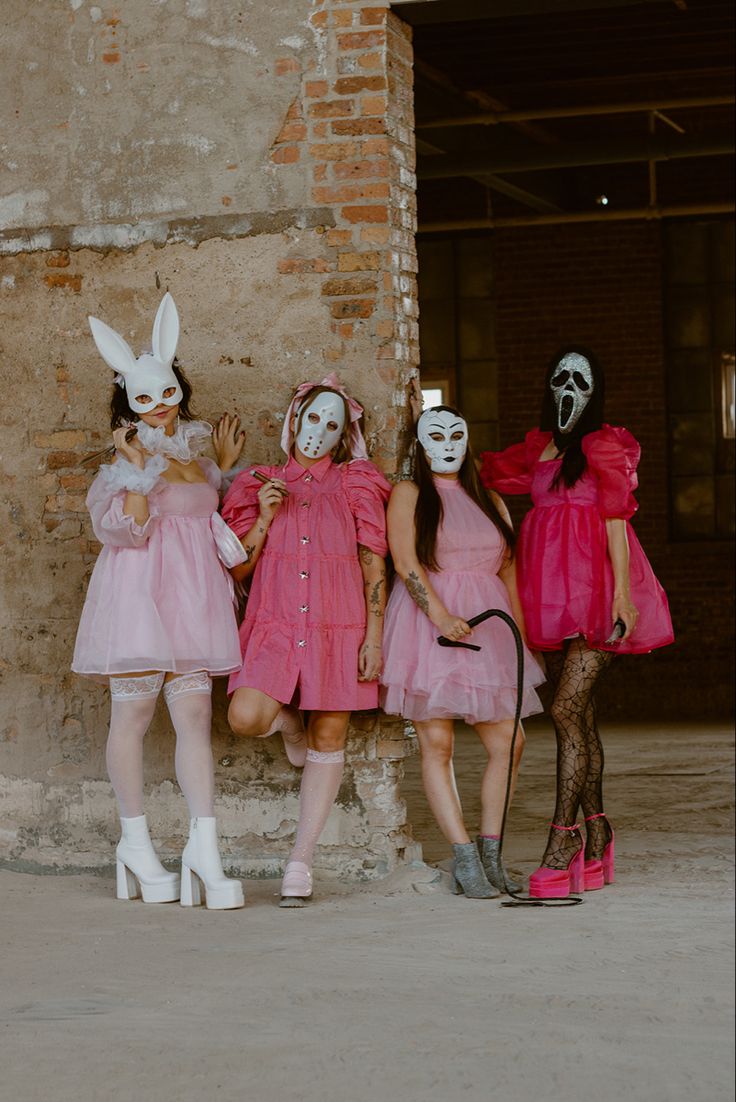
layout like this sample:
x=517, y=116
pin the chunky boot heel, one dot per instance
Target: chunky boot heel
x=468, y=877
x=139, y=873
x=201, y=867
x=490, y=856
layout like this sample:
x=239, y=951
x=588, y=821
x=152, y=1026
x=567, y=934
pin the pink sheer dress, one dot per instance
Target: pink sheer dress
x=565, y=573
x=159, y=598
x=306, y=619
x=422, y=680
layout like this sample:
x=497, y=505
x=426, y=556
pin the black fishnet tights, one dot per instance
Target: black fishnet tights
x=575, y=672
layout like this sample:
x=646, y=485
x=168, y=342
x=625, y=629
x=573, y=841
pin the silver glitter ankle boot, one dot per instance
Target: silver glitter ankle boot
x=467, y=873
x=490, y=856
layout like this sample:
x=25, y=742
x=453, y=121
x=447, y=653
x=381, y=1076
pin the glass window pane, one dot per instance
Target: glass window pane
x=690, y=377
x=437, y=331
x=474, y=267
x=475, y=329
x=692, y=444
x=435, y=269
x=688, y=317
x=722, y=252
x=483, y=436
x=686, y=252
x=725, y=501
x=694, y=507
x=724, y=316
x=479, y=389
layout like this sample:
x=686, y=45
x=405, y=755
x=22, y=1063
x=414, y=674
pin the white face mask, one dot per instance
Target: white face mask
x=572, y=386
x=151, y=375
x=444, y=437
x=321, y=425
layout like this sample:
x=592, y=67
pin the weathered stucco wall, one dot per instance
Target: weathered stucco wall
x=299, y=114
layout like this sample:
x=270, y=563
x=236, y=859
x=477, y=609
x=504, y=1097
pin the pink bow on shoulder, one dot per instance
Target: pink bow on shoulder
x=357, y=442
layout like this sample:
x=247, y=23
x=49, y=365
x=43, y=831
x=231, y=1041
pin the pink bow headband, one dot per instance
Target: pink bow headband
x=355, y=412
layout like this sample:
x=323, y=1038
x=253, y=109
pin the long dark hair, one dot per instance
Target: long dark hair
x=428, y=510
x=570, y=444
x=120, y=411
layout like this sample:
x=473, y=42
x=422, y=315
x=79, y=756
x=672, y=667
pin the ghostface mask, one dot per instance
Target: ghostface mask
x=572, y=386
x=444, y=437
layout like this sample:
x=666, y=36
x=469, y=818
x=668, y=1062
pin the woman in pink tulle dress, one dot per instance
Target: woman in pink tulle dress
x=587, y=591
x=314, y=529
x=452, y=547
x=159, y=610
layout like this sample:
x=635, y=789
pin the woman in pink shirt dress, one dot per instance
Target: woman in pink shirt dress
x=587, y=592
x=315, y=536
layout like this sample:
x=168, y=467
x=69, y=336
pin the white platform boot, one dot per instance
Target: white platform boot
x=139, y=871
x=201, y=867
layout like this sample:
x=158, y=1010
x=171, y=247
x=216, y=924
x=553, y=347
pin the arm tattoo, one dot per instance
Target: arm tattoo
x=249, y=548
x=366, y=555
x=375, y=597
x=417, y=592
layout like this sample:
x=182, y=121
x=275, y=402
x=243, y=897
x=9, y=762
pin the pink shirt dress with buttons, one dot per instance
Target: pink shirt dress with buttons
x=305, y=619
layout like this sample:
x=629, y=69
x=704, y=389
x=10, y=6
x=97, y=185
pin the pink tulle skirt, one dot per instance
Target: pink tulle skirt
x=423, y=681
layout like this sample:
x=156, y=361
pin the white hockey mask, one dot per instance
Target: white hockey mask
x=321, y=424
x=444, y=437
x=151, y=374
x=572, y=386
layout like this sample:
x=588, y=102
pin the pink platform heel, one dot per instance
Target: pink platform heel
x=599, y=871
x=559, y=883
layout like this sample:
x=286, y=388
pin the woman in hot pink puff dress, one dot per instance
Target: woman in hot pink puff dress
x=587, y=591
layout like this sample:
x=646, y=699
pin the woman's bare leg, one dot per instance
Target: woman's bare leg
x=436, y=741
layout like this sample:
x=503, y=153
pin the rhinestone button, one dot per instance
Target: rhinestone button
x=302, y=643
x=308, y=477
x=306, y=504
x=305, y=539
x=303, y=574
x=304, y=608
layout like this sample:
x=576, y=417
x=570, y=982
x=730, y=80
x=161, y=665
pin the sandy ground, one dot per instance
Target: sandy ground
x=399, y=991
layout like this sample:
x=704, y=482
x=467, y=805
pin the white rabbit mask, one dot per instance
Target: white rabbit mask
x=151, y=373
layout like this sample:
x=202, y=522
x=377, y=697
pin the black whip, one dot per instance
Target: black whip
x=517, y=899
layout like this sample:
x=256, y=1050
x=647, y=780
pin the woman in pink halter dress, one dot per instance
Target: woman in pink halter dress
x=451, y=544
x=159, y=610
x=587, y=591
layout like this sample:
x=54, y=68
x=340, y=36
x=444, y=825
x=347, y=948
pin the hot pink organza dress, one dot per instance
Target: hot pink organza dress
x=306, y=619
x=422, y=680
x=564, y=570
x=159, y=598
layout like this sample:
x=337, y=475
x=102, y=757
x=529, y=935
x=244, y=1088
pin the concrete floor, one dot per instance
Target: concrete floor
x=400, y=992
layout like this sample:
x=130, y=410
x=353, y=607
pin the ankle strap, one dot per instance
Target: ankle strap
x=556, y=826
x=598, y=815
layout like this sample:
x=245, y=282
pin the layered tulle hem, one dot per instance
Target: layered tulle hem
x=455, y=702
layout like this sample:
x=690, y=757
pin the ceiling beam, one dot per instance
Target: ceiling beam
x=661, y=147
x=671, y=210
x=494, y=118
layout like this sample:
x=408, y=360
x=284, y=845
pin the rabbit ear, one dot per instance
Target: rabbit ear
x=114, y=350
x=165, y=330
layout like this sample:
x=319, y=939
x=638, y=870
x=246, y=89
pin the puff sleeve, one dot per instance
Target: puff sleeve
x=240, y=507
x=510, y=471
x=367, y=492
x=106, y=499
x=211, y=472
x=613, y=456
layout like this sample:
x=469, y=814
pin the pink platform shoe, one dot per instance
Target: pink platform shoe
x=559, y=883
x=296, y=887
x=600, y=870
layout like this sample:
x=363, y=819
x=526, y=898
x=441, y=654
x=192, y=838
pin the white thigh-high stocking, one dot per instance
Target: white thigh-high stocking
x=320, y=785
x=189, y=700
x=133, y=704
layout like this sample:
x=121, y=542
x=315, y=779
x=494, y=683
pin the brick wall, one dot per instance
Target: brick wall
x=602, y=286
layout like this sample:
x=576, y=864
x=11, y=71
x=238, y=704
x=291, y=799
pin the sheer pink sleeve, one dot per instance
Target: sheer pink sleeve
x=510, y=471
x=613, y=456
x=106, y=499
x=211, y=471
x=367, y=491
